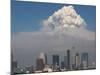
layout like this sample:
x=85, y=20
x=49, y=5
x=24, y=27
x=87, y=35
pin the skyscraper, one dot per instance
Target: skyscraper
x=44, y=57
x=84, y=60
x=46, y=62
x=62, y=65
x=40, y=64
x=55, y=60
x=68, y=59
x=65, y=61
x=77, y=61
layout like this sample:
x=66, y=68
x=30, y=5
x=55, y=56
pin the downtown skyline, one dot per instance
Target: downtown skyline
x=80, y=62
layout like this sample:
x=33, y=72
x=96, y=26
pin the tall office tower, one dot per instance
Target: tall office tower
x=62, y=65
x=40, y=64
x=55, y=60
x=73, y=62
x=65, y=61
x=46, y=62
x=68, y=59
x=44, y=57
x=84, y=60
x=77, y=61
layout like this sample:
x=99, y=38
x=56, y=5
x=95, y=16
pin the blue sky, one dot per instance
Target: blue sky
x=26, y=16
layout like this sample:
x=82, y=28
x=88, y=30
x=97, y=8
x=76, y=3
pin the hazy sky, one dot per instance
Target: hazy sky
x=27, y=15
x=51, y=28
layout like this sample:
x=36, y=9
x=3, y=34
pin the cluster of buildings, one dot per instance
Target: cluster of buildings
x=80, y=63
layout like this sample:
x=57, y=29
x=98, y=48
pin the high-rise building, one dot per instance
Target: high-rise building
x=73, y=61
x=62, y=65
x=65, y=61
x=84, y=60
x=39, y=64
x=46, y=62
x=44, y=57
x=68, y=59
x=55, y=59
x=77, y=61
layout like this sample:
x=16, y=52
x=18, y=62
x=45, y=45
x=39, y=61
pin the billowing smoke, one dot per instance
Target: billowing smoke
x=66, y=21
x=61, y=31
x=63, y=19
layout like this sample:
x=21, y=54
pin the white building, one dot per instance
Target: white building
x=77, y=61
x=44, y=57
